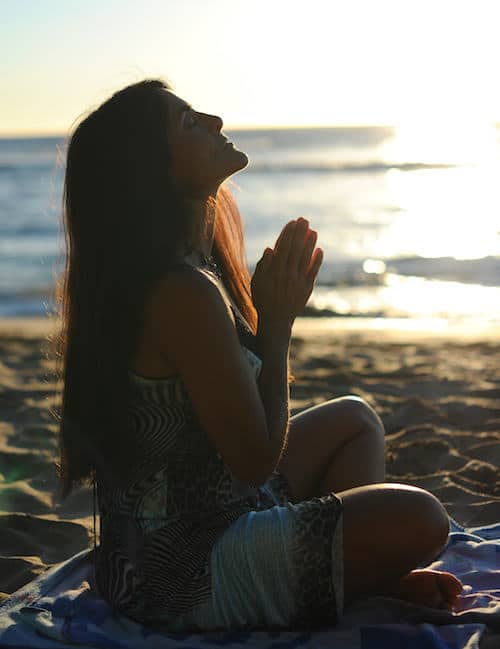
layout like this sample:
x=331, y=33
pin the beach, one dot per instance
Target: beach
x=437, y=392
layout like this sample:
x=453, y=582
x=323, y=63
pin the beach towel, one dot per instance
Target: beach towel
x=60, y=609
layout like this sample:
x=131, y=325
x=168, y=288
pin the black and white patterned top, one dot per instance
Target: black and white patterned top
x=158, y=527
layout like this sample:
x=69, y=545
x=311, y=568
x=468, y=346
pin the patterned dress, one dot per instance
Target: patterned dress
x=185, y=545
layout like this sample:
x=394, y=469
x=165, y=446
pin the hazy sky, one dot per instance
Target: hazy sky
x=255, y=62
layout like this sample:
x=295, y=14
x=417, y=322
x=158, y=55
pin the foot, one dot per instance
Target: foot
x=430, y=588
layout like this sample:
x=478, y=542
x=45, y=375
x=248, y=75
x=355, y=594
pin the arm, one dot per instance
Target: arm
x=194, y=331
x=281, y=285
x=273, y=347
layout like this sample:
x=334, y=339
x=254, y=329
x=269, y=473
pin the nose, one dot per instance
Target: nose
x=219, y=123
x=214, y=122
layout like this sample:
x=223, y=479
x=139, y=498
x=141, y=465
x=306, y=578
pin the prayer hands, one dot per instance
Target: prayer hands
x=284, y=277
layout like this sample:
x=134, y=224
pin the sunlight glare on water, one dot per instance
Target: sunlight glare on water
x=446, y=142
x=453, y=211
x=415, y=297
x=424, y=298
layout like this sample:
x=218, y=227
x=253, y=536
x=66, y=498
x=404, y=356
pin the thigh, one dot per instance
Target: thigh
x=315, y=435
x=389, y=529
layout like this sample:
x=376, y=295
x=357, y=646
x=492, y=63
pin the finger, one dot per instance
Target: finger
x=265, y=261
x=282, y=250
x=316, y=262
x=297, y=243
x=290, y=247
x=283, y=231
x=305, y=259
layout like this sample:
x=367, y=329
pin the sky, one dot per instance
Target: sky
x=254, y=62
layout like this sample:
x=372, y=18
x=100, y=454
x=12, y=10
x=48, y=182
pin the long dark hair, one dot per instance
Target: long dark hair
x=123, y=222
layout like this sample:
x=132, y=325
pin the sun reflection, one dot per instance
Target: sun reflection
x=413, y=297
x=420, y=297
x=374, y=266
x=443, y=142
x=450, y=212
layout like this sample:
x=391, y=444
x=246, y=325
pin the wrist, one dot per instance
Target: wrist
x=274, y=330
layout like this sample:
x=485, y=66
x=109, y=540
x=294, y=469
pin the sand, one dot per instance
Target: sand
x=437, y=391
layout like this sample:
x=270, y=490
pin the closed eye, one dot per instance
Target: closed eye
x=190, y=121
x=183, y=113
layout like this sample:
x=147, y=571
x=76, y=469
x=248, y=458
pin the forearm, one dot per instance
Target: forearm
x=281, y=285
x=273, y=348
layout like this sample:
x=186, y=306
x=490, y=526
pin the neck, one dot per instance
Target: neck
x=203, y=212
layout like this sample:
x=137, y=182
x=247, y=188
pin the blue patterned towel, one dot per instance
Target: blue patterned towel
x=58, y=609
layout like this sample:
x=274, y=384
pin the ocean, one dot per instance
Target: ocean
x=409, y=220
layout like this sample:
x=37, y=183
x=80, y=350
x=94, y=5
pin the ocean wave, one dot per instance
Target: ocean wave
x=484, y=271
x=276, y=167
x=44, y=291
x=29, y=230
x=27, y=167
x=339, y=167
x=311, y=311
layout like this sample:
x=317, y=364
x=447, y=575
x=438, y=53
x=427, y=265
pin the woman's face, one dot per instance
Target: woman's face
x=201, y=155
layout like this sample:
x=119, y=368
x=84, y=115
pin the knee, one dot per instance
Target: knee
x=438, y=525
x=429, y=525
x=363, y=416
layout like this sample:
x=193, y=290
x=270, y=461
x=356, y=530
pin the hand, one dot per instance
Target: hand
x=284, y=277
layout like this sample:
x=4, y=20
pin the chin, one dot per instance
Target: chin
x=240, y=158
x=234, y=162
x=238, y=161
x=244, y=158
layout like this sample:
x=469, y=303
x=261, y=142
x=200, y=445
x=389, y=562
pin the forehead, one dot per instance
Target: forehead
x=175, y=104
x=175, y=107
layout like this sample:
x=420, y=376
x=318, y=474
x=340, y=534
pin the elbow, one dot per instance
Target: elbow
x=257, y=474
x=251, y=459
x=256, y=480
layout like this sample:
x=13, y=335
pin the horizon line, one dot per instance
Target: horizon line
x=15, y=135
x=18, y=135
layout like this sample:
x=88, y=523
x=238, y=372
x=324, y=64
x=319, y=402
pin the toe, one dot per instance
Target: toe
x=449, y=584
x=450, y=587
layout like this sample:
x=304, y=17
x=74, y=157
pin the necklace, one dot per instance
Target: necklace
x=210, y=264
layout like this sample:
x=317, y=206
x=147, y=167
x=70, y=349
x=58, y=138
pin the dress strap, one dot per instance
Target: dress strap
x=245, y=335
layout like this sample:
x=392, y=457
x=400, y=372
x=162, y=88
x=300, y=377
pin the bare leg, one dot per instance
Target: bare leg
x=389, y=530
x=334, y=446
x=360, y=460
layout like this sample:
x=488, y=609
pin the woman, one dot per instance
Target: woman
x=217, y=509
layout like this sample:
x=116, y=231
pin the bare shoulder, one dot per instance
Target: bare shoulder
x=182, y=278
x=184, y=309
x=185, y=289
